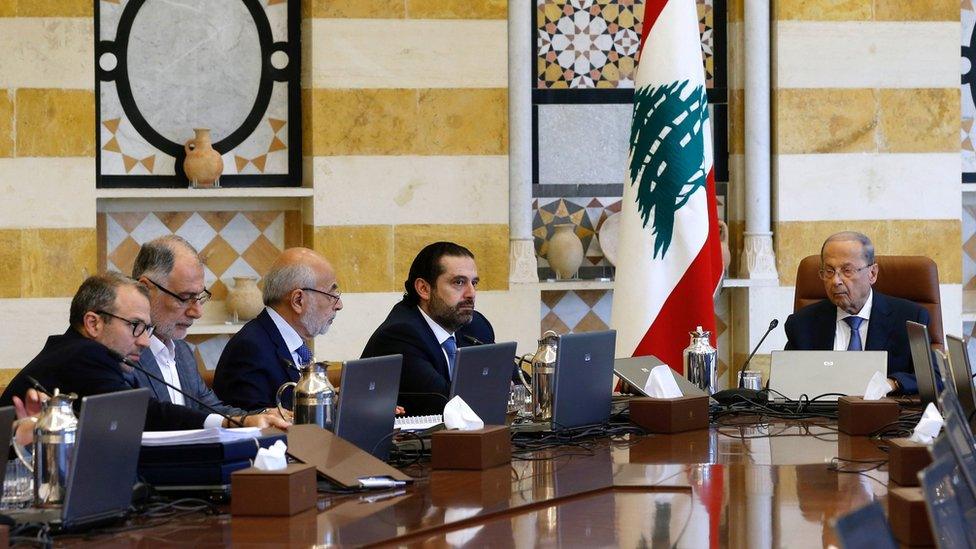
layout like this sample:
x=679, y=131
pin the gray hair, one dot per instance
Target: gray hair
x=867, y=247
x=156, y=257
x=280, y=281
x=97, y=293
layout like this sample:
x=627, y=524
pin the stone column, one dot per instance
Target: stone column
x=522, y=260
x=758, y=257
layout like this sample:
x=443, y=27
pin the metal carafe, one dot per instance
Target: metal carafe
x=543, y=374
x=701, y=361
x=313, y=398
x=53, y=449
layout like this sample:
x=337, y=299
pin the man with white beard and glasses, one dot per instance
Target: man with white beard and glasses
x=301, y=298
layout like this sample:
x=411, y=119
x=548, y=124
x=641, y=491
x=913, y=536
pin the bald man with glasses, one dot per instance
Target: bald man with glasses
x=854, y=317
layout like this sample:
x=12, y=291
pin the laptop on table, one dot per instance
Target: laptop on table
x=636, y=371
x=368, y=396
x=483, y=377
x=103, y=471
x=793, y=374
x=925, y=373
x=962, y=376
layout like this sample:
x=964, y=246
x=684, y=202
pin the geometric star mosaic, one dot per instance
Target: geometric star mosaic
x=587, y=213
x=232, y=243
x=586, y=44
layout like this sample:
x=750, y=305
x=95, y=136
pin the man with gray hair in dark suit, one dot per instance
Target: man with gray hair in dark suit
x=171, y=269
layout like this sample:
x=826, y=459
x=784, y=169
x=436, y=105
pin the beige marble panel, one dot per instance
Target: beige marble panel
x=463, y=121
x=52, y=269
x=866, y=55
x=361, y=255
x=820, y=187
x=356, y=53
x=488, y=243
x=920, y=120
x=47, y=53
x=939, y=239
x=55, y=122
x=47, y=192
x=916, y=10
x=379, y=9
x=55, y=8
x=20, y=341
x=737, y=124
x=374, y=190
x=11, y=251
x=823, y=10
x=824, y=120
x=457, y=9
x=6, y=123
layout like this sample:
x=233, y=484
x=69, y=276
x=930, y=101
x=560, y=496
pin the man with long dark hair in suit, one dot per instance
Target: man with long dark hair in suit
x=434, y=319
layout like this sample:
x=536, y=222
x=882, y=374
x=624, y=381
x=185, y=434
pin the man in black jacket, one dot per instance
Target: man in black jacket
x=109, y=319
x=854, y=317
x=435, y=317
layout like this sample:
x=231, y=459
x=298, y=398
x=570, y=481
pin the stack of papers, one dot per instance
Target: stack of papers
x=198, y=436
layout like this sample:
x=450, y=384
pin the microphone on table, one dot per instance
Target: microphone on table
x=741, y=394
x=137, y=366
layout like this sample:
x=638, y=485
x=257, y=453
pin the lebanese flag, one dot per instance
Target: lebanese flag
x=670, y=259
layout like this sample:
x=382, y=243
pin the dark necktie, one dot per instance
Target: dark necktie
x=450, y=347
x=855, y=323
x=304, y=355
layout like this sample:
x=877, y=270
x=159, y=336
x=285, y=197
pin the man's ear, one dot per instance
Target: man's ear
x=423, y=288
x=91, y=324
x=296, y=300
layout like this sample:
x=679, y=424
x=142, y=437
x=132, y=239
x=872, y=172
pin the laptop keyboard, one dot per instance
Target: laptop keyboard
x=417, y=423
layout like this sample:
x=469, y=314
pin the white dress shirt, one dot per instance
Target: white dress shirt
x=165, y=355
x=292, y=340
x=442, y=335
x=842, y=335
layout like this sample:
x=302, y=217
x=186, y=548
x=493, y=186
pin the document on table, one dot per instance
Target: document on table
x=198, y=436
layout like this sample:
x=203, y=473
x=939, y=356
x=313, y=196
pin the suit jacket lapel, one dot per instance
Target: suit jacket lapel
x=148, y=361
x=433, y=348
x=184, y=361
x=285, y=359
x=879, y=327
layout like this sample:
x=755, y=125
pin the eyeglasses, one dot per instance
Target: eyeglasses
x=846, y=271
x=199, y=299
x=336, y=296
x=138, y=327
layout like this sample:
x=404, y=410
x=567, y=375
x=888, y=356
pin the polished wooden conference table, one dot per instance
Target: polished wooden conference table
x=741, y=484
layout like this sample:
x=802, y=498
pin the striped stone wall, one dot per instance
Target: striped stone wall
x=47, y=168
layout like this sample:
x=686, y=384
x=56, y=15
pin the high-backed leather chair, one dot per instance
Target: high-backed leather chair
x=911, y=277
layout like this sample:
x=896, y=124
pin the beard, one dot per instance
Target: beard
x=315, y=323
x=451, y=317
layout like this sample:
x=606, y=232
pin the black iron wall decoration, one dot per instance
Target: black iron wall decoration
x=163, y=69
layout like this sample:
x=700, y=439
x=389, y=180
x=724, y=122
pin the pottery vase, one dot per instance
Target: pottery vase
x=565, y=253
x=203, y=165
x=723, y=235
x=244, y=300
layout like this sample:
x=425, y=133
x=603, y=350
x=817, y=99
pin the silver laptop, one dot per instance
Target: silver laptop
x=482, y=378
x=636, y=370
x=793, y=374
x=918, y=341
x=103, y=471
x=368, y=390
x=961, y=375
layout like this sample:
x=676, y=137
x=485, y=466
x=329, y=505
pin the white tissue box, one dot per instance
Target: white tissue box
x=283, y=492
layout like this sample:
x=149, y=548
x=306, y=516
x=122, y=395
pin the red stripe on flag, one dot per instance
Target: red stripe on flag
x=690, y=303
x=652, y=9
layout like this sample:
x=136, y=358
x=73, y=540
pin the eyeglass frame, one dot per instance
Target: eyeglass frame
x=135, y=324
x=847, y=276
x=336, y=297
x=185, y=302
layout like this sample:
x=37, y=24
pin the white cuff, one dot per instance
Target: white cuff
x=213, y=421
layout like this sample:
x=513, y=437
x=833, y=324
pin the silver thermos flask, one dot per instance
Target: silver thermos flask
x=313, y=398
x=701, y=361
x=54, y=450
x=543, y=375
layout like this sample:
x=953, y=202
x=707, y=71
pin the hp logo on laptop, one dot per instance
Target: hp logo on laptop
x=372, y=385
x=828, y=363
x=114, y=426
x=587, y=357
x=484, y=372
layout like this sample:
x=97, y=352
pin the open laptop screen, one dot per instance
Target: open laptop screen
x=961, y=374
x=482, y=379
x=368, y=394
x=584, y=374
x=918, y=340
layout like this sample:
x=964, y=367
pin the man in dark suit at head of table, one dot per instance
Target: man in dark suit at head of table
x=435, y=317
x=301, y=298
x=854, y=317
